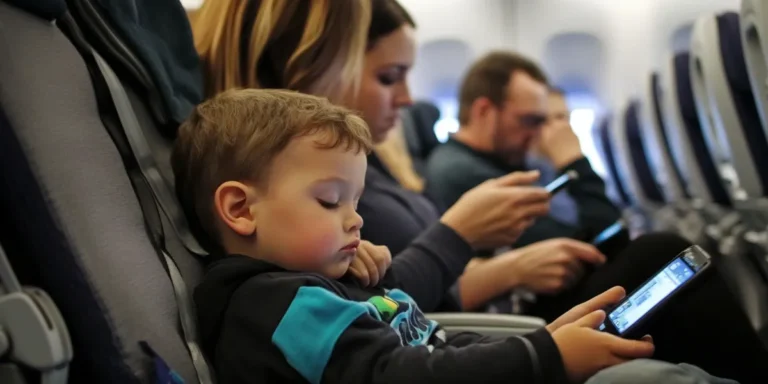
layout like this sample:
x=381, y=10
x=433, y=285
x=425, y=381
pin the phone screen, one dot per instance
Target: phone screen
x=651, y=294
x=609, y=232
x=558, y=184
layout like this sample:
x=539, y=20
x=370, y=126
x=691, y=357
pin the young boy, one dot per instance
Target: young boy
x=270, y=179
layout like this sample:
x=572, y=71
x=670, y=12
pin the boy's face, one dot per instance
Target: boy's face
x=306, y=218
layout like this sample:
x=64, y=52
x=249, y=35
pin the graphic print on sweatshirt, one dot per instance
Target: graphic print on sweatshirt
x=317, y=317
x=405, y=317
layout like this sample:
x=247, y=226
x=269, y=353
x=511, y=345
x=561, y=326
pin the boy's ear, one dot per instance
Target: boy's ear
x=233, y=201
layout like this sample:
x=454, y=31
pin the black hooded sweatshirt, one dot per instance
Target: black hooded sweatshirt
x=262, y=324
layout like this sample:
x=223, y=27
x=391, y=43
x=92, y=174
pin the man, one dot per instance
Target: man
x=563, y=208
x=503, y=112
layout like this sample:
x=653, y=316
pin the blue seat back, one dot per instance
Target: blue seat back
x=639, y=154
x=693, y=130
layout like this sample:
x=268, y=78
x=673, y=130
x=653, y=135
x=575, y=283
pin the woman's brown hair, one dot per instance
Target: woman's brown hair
x=311, y=46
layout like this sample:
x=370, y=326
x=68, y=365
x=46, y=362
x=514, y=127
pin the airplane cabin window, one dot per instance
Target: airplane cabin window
x=582, y=121
x=448, y=123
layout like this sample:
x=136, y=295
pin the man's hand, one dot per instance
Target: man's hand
x=559, y=144
x=496, y=212
x=549, y=266
x=585, y=351
x=370, y=264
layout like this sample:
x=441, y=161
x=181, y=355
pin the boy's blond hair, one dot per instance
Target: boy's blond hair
x=236, y=135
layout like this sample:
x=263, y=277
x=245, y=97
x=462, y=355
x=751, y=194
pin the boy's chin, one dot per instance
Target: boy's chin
x=337, y=269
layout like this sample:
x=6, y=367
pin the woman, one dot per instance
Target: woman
x=393, y=152
x=265, y=44
x=313, y=47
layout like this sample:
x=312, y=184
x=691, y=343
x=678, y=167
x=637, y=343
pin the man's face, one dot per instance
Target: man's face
x=558, y=108
x=520, y=117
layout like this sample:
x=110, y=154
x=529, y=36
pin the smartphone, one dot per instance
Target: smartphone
x=608, y=233
x=629, y=318
x=561, y=182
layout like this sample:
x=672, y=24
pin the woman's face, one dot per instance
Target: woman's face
x=384, y=87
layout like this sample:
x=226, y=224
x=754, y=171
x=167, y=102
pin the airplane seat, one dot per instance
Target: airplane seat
x=679, y=215
x=724, y=98
x=158, y=95
x=673, y=183
x=748, y=114
x=635, y=218
x=639, y=155
x=642, y=208
x=713, y=201
x=754, y=29
x=692, y=134
x=412, y=141
x=726, y=105
x=424, y=115
x=74, y=219
x=604, y=136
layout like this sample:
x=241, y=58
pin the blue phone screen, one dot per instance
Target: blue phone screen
x=650, y=294
x=607, y=233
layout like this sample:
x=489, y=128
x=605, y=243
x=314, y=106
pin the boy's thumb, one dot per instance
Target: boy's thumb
x=592, y=320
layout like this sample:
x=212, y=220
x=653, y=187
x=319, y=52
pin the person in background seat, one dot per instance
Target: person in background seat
x=563, y=207
x=503, y=112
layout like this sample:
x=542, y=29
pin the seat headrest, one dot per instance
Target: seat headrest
x=156, y=36
x=425, y=115
x=639, y=153
x=692, y=127
x=656, y=95
x=732, y=51
x=685, y=88
x=46, y=9
x=610, y=159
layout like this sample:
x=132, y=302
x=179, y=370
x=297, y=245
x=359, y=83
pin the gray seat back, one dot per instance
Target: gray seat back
x=78, y=229
x=698, y=165
x=726, y=106
x=668, y=176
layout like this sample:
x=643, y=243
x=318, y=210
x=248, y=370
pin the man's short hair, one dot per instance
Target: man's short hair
x=489, y=77
x=236, y=136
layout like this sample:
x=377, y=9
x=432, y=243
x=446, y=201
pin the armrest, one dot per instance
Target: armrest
x=487, y=324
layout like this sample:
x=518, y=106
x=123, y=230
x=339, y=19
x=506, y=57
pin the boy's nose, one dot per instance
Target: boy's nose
x=354, y=222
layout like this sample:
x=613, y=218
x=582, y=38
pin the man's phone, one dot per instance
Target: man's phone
x=629, y=318
x=561, y=182
x=609, y=233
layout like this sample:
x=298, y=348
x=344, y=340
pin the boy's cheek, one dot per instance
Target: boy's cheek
x=313, y=247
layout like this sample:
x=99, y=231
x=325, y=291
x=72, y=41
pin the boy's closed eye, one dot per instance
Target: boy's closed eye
x=327, y=204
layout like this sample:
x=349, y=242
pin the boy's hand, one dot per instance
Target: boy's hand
x=601, y=301
x=371, y=263
x=585, y=351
